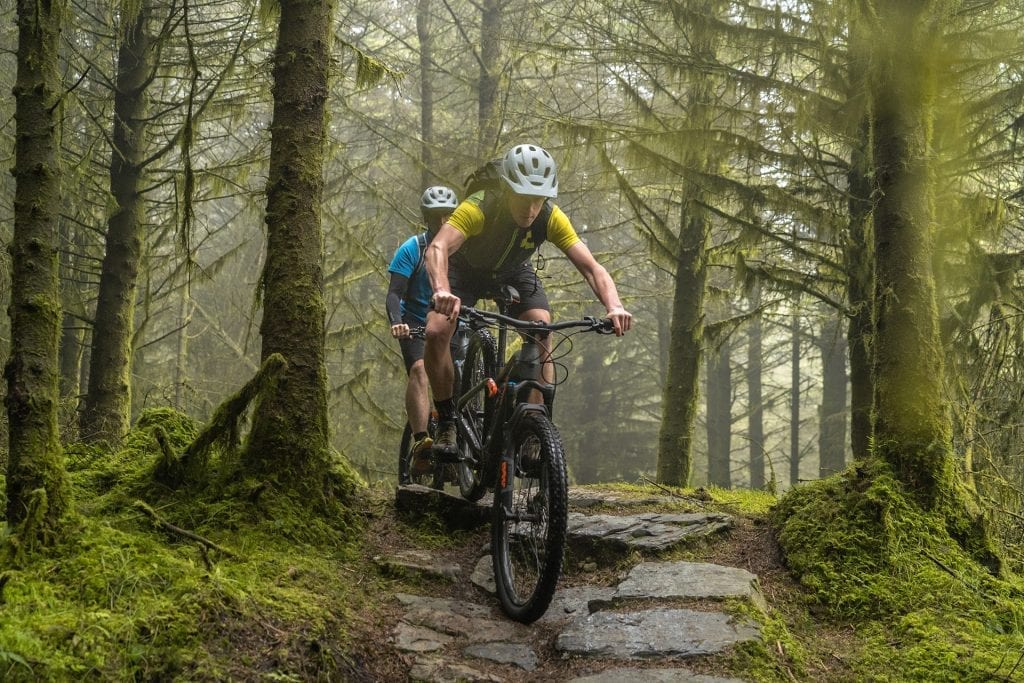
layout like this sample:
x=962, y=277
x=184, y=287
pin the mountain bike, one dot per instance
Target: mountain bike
x=508, y=443
x=441, y=471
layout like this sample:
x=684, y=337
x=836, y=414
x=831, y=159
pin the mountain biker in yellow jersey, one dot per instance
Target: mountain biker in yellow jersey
x=407, y=300
x=486, y=243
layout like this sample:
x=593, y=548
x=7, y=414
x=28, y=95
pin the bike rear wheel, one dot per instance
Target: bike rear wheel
x=528, y=532
x=481, y=362
x=407, y=474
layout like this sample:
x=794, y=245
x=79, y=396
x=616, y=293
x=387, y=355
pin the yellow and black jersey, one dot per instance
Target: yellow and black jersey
x=495, y=244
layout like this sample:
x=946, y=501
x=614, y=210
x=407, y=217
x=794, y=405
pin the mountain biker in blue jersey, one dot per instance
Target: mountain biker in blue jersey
x=407, y=300
x=486, y=243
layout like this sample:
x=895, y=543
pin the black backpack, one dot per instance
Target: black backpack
x=488, y=177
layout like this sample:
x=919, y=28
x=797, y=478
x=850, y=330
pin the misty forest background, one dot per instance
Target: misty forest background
x=721, y=159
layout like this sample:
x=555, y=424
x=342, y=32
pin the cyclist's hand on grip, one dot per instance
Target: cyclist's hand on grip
x=622, y=320
x=399, y=330
x=447, y=304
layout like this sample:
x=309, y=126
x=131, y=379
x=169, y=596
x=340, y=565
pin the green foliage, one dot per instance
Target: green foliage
x=870, y=556
x=123, y=598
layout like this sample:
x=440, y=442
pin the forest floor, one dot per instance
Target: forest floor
x=793, y=645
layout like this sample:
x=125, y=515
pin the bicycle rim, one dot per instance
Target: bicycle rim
x=529, y=524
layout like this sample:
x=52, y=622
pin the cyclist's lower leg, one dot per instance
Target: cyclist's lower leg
x=543, y=340
x=437, y=359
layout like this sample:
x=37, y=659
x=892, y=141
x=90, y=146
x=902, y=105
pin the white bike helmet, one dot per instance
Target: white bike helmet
x=438, y=197
x=530, y=170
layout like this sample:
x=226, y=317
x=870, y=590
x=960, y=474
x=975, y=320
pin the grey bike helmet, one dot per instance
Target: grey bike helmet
x=438, y=197
x=530, y=170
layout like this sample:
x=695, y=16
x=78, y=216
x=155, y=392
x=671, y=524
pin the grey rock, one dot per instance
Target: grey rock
x=518, y=654
x=668, y=633
x=652, y=676
x=569, y=603
x=408, y=562
x=459, y=618
x=483, y=574
x=438, y=670
x=410, y=638
x=646, y=531
x=689, y=580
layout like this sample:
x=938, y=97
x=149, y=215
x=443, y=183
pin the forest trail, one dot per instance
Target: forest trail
x=655, y=588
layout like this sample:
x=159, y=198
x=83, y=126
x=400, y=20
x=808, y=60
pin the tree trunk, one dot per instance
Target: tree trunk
x=755, y=398
x=37, y=488
x=719, y=415
x=686, y=338
x=859, y=266
x=490, y=77
x=794, y=400
x=686, y=329
x=832, y=414
x=106, y=410
x=289, y=438
x=426, y=91
x=913, y=431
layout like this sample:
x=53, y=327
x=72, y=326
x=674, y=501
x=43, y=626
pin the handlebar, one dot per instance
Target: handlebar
x=599, y=325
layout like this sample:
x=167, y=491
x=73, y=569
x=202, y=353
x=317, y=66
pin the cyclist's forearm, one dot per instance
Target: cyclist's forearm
x=604, y=287
x=437, y=268
x=393, y=301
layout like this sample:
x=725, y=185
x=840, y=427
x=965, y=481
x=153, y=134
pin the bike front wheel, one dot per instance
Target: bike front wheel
x=528, y=533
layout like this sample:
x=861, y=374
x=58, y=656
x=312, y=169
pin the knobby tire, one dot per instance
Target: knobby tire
x=528, y=532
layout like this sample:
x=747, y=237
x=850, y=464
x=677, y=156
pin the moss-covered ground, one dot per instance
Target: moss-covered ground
x=861, y=585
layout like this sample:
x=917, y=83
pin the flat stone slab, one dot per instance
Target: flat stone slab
x=667, y=633
x=646, y=531
x=467, y=620
x=688, y=580
x=569, y=603
x=519, y=654
x=411, y=562
x=586, y=498
x=439, y=670
x=410, y=638
x=652, y=676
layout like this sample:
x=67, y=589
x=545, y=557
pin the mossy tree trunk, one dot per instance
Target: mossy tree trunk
x=686, y=339
x=686, y=329
x=106, y=409
x=37, y=488
x=794, y=399
x=289, y=437
x=912, y=427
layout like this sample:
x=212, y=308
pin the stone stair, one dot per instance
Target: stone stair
x=642, y=627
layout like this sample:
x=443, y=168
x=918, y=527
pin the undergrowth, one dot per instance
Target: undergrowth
x=129, y=596
x=925, y=609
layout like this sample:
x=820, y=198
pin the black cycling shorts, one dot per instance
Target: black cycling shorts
x=412, y=347
x=471, y=286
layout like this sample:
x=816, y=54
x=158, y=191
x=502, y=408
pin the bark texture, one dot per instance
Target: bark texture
x=106, y=409
x=37, y=488
x=289, y=438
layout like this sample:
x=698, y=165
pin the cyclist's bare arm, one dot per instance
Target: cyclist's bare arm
x=604, y=287
x=445, y=243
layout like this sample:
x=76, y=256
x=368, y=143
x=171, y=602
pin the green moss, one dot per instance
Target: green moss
x=777, y=656
x=125, y=599
x=870, y=556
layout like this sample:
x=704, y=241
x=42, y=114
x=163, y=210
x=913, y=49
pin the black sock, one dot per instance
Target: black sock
x=445, y=408
x=418, y=436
